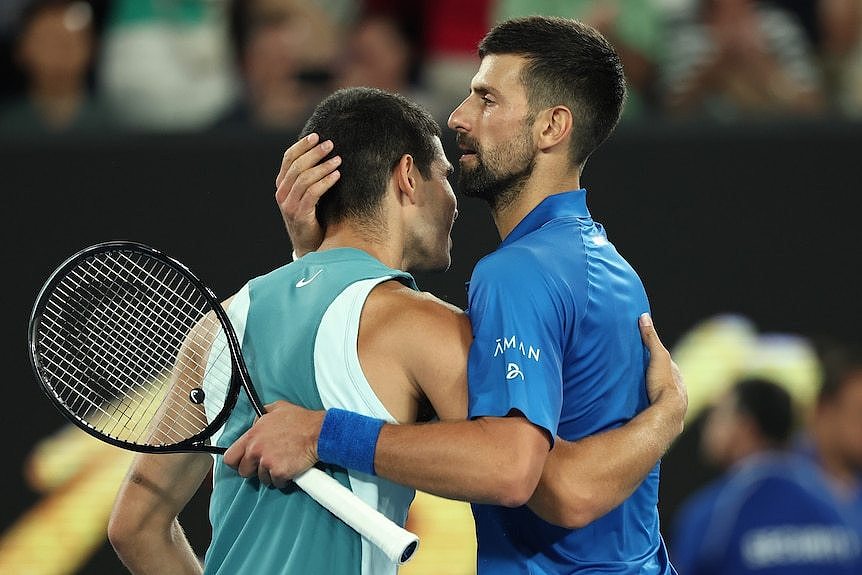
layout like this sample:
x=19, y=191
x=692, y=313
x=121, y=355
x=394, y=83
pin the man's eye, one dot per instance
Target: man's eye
x=487, y=100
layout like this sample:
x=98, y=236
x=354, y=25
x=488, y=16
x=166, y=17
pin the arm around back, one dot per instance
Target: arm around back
x=496, y=460
x=585, y=479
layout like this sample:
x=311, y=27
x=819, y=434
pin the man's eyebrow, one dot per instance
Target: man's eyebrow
x=482, y=89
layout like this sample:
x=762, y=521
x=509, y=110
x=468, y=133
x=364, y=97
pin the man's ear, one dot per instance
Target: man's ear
x=405, y=179
x=555, y=125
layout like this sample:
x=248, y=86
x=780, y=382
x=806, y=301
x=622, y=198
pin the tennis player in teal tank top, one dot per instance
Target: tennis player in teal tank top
x=265, y=530
x=299, y=329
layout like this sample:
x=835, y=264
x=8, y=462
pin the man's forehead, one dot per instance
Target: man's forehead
x=498, y=73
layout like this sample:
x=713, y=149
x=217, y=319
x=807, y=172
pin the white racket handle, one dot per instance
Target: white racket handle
x=396, y=542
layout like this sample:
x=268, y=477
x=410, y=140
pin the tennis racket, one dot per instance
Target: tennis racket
x=135, y=350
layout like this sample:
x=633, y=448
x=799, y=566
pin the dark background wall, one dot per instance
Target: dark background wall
x=759, y=220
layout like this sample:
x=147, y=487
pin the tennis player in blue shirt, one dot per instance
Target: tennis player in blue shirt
x=557, y=354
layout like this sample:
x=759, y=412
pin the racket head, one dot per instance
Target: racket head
x=135, y=350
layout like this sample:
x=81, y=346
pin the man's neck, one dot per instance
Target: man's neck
x=535, y=191
x=347, y=236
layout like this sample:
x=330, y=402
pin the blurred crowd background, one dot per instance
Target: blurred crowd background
x=773, y=445
x=192, y=65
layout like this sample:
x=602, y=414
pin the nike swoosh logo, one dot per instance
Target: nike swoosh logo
x=304, y=282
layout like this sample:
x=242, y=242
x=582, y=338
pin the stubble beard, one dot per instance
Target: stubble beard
x=497, y=187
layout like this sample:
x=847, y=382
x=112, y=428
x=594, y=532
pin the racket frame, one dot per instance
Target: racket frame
x=239, y=373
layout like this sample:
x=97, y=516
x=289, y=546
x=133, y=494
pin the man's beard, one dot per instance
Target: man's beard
x=498, y=185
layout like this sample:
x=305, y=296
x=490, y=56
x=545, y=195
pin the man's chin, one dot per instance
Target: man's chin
x=471, y=187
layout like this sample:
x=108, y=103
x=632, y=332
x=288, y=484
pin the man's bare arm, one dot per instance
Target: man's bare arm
x=143, y=528
x=491, y=459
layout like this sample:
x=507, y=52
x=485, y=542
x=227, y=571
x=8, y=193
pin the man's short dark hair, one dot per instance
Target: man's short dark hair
x=371, y=130
x=568, y=64
x=768, y=405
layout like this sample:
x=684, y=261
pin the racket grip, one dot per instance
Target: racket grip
x=396, y=542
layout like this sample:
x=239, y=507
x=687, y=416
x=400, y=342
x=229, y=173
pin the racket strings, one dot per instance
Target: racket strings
x=122, y=335
x=100, y=346
x=171, y=348
x=127, y=343
x=176, y=420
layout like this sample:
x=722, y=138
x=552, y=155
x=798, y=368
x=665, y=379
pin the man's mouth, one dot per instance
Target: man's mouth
x=467, y=151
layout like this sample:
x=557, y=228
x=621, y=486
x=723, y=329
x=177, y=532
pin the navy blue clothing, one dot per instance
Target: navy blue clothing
x=851, y=501
x=772, y=515
x=554, y=312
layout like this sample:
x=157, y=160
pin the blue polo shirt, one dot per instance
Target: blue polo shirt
x=554, y=312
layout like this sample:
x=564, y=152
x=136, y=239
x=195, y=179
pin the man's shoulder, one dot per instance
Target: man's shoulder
x=510, y=262
x=422, y=337
x=558, y=243
x=407, y=308
x=524, y=271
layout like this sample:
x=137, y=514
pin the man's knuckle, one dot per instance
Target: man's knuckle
x=302, y=181
x=292, y=172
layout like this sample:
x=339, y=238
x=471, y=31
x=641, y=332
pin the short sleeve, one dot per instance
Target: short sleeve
x=515, y=361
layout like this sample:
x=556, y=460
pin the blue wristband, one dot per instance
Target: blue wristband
x=349, y=440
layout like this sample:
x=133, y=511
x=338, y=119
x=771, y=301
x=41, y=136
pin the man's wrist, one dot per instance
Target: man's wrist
x=349, y=440
x=671, y=411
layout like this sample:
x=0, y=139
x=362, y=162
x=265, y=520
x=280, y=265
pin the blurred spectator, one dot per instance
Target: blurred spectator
x=380, y=52
x=771, y=513
x=847, y=67
x=166, y=64
x=54, y=50
x=10, y=12
x=447, y=33
x=634, y=27
x=736, y=58
x=343, y=13
x=832, y=26
x=286, y=50
x=829, y=24
x=834, y=438
x=452, y=31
